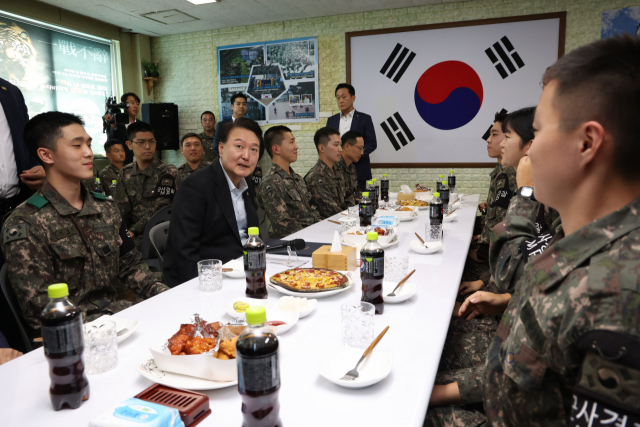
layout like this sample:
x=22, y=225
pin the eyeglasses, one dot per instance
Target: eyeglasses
x=151, y=143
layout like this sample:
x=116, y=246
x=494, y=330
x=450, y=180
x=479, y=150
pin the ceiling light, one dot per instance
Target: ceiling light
x=203, y=1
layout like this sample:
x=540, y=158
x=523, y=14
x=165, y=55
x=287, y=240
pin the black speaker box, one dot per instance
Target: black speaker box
x=163, y=118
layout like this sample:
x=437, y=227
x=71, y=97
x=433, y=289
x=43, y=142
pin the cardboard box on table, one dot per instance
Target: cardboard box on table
x=345, y=260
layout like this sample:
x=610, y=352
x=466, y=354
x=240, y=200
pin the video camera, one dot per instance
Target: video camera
x=115, y=110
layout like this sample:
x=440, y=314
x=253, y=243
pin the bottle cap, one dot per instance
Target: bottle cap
x=440, y=176
x=436, y=194
x=254, y=231
x=114, y=181
x=366, y=193
x=451, y=171
x=370, y=182
x=375, y=179
x=97, y=179
x=372, y=235
x=58, y=290
x=384, y=174
x=444, y=182
x=256, y=315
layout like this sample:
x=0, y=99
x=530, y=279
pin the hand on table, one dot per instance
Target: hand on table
x=468, y=287
x=523, y=174
x=8, y=354
x=34, y=177
x=476, y=237
x=130, y=233
x=482, y=206
x=484, y=303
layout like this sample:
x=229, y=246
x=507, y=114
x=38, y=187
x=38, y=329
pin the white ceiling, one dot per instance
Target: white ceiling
x=227, y=13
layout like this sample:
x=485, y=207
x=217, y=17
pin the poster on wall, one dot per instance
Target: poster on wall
x=57, y=71
x=621, y=21
x=280, y=79
x=437, y=88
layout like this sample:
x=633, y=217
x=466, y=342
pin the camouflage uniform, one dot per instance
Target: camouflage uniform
x=141, y=193
x=185, y=170
x=47, y=241
x=207, y=144
x=467, y=343
x=326, y=189
x=286, y=201
x=503, y=186
x=349, y=182
x=586, y=281
x=107, y=175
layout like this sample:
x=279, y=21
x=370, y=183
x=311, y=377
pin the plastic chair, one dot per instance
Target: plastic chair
x=159, y=236
x=9, y=296
x=163, y=215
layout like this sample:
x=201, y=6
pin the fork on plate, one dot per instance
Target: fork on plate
x=353, y=374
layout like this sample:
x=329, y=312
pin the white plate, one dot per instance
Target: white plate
x=405, y=292
x=451, y=218
x=424, y=196
x=402, y=216
x=289, y=317
x=311, y=305
x=238, y=269
x=228, y=306
x=431, y=248
x=311, y=294
x=374, y=368
x=121, y=324
x=148, y=369
x=360, y=240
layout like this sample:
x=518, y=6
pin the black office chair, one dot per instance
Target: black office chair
x=163, y=215
x=159, y=236
x=10, y=298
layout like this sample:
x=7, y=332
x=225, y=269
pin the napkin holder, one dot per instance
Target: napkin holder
x=345, y=260
x=402, y=196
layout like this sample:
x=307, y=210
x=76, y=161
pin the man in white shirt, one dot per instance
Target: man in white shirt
x=351, y=119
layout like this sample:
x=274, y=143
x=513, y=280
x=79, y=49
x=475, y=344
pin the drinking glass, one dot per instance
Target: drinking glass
x=396, y=267
x=100, y=346
x=354, y=212
x=432, y=233
x=357, y=323
x=210, y=275
x=348, y=223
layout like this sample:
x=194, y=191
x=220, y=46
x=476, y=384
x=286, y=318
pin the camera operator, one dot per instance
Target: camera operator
x=119, y=131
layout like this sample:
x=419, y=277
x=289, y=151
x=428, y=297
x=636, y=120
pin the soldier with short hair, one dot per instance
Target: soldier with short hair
x=207, y=137
x=192, y=148
x=352, y=149
x=66, y=234
x=282, y=193
x=114, y=149
x=146, y=185
x=323, y=182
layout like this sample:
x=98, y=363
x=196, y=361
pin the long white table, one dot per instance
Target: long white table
x=416, y=336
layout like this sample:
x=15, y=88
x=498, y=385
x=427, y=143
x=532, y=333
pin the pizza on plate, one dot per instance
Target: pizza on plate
x=310, y=280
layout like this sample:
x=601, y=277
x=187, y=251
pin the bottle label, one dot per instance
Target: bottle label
x=452, y=181
x=254, y=260
x=373, y=266
x=63, y=338
x=257, y=374
x=366, y=210
x=384, y=185
x=435, y=214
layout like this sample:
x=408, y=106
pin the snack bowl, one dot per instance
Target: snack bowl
x=405, y=292
x=360, y=240
x=290, y=318
x=228, y=306
x=195, y=365
x=450, y=218
x=238, y=269
x=401, y=215
x=426, y=249
x=311, y=305
x=374, y=368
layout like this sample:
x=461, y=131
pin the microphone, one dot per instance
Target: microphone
x=296, y=244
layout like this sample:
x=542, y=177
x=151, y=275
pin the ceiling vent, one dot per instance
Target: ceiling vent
x=169, y=17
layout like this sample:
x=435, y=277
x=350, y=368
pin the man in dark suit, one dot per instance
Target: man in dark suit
x=350, y=119
x=20, y=175
x=119, y=132
x=213, y=207
x=239, y=108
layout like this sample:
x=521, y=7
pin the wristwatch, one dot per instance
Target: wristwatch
x=526, y=191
